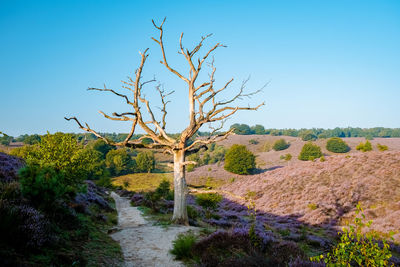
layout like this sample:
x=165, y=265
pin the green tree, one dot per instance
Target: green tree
x=5, y=139
x=308, y=136
x=242, y=129
x=337, y=145
x=145, y=161
x=32, y=139
x=239, y=160
x=101, y=146
x=310, y=152
x=258, y=129
x=119, y=162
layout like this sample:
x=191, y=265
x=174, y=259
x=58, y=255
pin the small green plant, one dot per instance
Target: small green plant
x=286, y=157
x=337, y=145
x=253, y=142
x=310, y=152
x=192, y=212
x=208, y=200
x=182, y=246
x=355, y=248
x=280, y=144
x=322, y=158
x=382, y=147
x=312, y=206
x=364, y=147
x=125, y=184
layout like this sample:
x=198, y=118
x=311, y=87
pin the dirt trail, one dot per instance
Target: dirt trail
x=142, y=243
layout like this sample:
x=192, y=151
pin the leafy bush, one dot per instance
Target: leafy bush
x=280, y=144
x=308, y=136
x=310, y=152
x=119, y=162
x=101, y=146
x=337, y=145
x=239, y=160
x=145, y=161
x=356, y=248
x=364, y=147
x=208, y=200
x=182, y=246
x=32, y=139
x=382, y=147
x=45, y=186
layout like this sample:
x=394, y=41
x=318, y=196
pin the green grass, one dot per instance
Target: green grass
x=142, y=181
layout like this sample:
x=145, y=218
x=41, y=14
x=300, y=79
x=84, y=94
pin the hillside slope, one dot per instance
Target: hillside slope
x=326, y=193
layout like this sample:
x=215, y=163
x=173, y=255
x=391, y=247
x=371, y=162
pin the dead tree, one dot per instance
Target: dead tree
x=204, y=108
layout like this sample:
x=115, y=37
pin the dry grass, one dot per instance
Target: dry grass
x=141, y=181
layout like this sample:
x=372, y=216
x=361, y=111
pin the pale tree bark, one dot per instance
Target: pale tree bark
x=204, y=108
x=180, y=188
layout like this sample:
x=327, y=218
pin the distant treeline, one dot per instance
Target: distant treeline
x=368, y=133
x=242, y=129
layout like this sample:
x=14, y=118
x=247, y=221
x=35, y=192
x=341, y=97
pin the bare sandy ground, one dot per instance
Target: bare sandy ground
x=142, y=243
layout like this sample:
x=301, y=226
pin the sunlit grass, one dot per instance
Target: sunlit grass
x=141, y=181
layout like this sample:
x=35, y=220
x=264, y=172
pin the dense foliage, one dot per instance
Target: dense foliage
x=280, y=144
x=208, y=200
x=337, y=145
x=120, y=162
x=308, y=136
x=145, y=161
x=213, y=154
x=310, y=151
x=239, y=160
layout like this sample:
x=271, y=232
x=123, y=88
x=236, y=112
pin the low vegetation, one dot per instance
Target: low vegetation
x=337, y=145
x=364, y=147
x=382, y=147
x=280, y=144
x=310, y=151
x=239, y=160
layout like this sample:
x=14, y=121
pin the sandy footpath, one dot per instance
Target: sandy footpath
x=142, y=243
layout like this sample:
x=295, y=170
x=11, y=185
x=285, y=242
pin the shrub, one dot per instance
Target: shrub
x=239, y=160
x=119, y=162
x=308, y=136
x=310, y=152
x=208, y=200
x=356, y=248
x=44, y=187
x=337, y=145
x=286, y=157
x=182, y=246
x=242, y=129
x=280, y=144
x=253, y=142
x=145, y=161
x=382, y=147
x=364, y=147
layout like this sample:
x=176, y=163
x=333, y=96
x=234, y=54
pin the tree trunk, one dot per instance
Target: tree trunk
x=180, y=189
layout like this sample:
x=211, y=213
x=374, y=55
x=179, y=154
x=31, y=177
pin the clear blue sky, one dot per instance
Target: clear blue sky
x=328, y=63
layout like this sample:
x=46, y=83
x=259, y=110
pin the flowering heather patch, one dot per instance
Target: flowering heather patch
x=93, y=195
x=23, y=225
x=334, y=187
x=9, y=166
